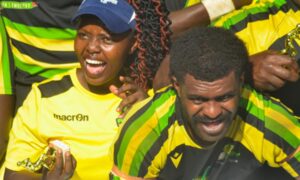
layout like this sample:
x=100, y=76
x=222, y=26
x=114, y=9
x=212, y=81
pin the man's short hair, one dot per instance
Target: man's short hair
x=208, y=54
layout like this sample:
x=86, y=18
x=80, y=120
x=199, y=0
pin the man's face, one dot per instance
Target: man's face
x=209, y=107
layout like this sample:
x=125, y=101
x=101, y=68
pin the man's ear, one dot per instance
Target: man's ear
x=175, y=84
x=242, y=80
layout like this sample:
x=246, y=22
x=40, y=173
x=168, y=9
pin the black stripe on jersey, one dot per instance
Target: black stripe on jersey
x=295, y=164
x=268, y=134
x=127, y=125
x=278, y=141
x=48, y=14
x=132, y=120
x=158, y=94
x=250, y=119
x=156, y=147
x=56, y=87
x=23, y=77
x=52, y=57
x=262, y=16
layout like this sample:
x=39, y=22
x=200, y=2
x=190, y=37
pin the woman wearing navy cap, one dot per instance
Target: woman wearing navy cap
x=75, y=113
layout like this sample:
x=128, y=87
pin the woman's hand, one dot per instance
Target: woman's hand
x=129, y=92
x=63, y=168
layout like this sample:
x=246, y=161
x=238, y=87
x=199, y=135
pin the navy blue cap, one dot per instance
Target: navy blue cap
x=117, y=15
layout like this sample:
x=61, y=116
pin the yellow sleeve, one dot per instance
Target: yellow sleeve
x=24, y=140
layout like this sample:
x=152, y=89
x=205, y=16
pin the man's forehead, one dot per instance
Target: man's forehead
x=218, y=87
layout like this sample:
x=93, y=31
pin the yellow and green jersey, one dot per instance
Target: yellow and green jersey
x=264, y=26
x=154, y=141
x=61, y=109
x=40, y=37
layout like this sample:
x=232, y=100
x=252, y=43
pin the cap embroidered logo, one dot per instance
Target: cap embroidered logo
x=109, y=1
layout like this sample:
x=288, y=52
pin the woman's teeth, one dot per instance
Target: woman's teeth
x=94, y=62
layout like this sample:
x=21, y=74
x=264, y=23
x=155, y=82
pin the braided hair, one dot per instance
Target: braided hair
x=153, y=39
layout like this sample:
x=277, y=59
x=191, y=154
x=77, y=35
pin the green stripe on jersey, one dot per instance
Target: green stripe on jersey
x=282, y=132
x=33, y=69
x=261, y=8
x=135, y=126
x=250, y=106
x=46, y=33
x=149, y=141
x=270, y=122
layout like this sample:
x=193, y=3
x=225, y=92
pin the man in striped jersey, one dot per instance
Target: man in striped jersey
x=208, y=125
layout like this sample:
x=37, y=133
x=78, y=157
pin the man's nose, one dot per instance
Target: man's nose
x=212, y=109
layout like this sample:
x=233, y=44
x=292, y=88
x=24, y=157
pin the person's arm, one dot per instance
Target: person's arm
x=195, y=15
x=6, y=115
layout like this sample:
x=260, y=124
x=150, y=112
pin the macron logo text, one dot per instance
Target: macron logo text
x=77, y=117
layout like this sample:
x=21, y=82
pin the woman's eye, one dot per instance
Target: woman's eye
x=82, y=35
x=107, y=40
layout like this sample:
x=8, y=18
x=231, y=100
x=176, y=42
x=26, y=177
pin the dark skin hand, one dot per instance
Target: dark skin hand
x=271, y=70
x=60, y=170
x=129, y=92
x=6, y=115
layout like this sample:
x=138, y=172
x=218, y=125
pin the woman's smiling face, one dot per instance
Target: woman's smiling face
x=101, y=54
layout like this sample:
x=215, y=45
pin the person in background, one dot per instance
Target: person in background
x=185, y=14
x=208, y=124
x=272, y=71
